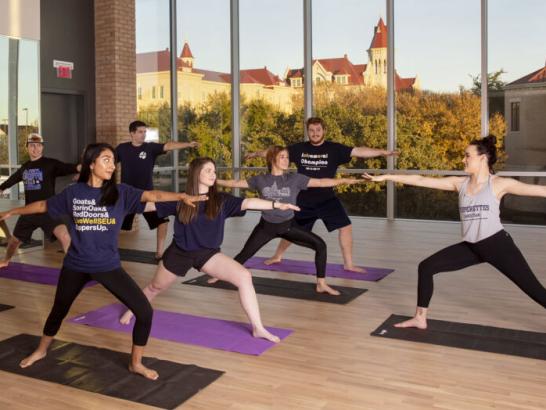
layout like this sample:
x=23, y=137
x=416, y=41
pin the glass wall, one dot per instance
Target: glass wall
x=271, y=45
x=436, y=108
x=350, y=88
x=204, y=79
x=19, y=103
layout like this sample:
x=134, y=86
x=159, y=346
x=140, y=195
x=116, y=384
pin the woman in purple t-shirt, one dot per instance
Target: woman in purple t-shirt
x=198, y=234
x=278, y=185
x=96, y=206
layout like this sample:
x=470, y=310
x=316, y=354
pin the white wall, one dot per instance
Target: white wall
x=20, y=18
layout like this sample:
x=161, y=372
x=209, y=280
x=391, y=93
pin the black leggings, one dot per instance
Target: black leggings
x=266, y=231
x=118, y=282
x=499, y=250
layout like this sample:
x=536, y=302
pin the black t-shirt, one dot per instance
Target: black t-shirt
x=137, y=163
x=319, y=161
x=39, y=178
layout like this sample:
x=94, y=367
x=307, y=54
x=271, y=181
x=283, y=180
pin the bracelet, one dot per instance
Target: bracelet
x=273, y=204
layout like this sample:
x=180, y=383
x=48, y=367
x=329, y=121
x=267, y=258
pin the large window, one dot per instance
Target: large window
x=204, y=79
x=350, y=87
x=19, y=101
x=153, y=71
x=271, y=45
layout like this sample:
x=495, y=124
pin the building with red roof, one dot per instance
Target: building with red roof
x=342, y=71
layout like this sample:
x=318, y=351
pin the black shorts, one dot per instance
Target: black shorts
x=27, y=224
x=331, y=212
x=179, y=261
x=151, y=217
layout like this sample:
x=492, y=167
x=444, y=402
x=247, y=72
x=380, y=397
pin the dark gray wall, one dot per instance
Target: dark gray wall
x=67, y=34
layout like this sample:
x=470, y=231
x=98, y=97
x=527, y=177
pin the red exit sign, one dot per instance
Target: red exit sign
x=64, y=68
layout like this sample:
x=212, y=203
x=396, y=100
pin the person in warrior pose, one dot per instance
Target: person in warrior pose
x=198, y=234
x=484, y=238
x=96, y=207
x=38, y=176
x=278, y=185
x=318, y=158
x=137, y=159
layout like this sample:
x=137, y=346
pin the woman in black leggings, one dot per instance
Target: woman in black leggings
x=278, y=186
x=484, y=238
x=96, y=207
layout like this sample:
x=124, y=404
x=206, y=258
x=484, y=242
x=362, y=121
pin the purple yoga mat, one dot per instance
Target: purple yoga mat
x=182, y=328
x=33, y=273
x=333, y=270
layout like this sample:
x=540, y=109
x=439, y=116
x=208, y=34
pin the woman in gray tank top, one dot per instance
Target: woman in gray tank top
x=484, y=238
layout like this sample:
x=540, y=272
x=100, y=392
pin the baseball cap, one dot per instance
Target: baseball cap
x=37, y=138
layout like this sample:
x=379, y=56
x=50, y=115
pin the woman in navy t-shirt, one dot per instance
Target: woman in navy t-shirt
x=198, y=234
x=96, y=206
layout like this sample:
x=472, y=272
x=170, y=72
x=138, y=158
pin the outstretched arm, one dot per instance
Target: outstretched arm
x=39, y=207
x=515, y=187
x=173, y=145
x=445, y=183
x=232, y=183
x=366, y=152
x=330, y=182
x=265, y=205
x=164, y=196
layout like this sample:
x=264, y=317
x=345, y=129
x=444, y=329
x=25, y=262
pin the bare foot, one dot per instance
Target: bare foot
x=3, y=263
x=125, y=319
x=353, y=268
x=143, y=371
x=272, y=261
x=265, y=334
x=34, y=357
x=212, y=280
x=418, y=321
x=324, y=288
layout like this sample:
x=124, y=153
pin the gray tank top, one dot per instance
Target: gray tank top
x=480, y=214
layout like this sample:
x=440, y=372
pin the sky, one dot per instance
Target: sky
x=437, y=40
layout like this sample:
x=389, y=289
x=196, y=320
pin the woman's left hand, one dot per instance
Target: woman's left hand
x=190, y=199
x=286, y=207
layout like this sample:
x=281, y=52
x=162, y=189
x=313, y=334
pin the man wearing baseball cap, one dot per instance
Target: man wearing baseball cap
x=38, y=176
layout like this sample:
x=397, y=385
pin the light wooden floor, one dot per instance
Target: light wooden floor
x=330, y=361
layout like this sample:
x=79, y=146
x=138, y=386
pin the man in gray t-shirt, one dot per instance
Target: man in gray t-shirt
x=283, y=188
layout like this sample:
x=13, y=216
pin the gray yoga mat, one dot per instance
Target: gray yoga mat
x=286, y=289
x=105, y=372
x=468, y=336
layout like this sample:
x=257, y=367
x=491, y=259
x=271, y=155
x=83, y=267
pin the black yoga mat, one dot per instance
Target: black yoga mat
x=5, y=307
x=135, y=255
x=286, y=289
x=105, y=372
x=469, y=336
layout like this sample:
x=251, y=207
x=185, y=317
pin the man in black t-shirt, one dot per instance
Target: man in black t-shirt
x=137, y=159
x=38, y=176
x=318, y=158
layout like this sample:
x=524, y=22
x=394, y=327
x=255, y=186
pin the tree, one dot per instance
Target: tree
x=494, y=82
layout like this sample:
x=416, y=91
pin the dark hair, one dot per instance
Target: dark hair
x=109, y=190
x=271, y=155
x=213, y=204
x=135, y=124
x=487, y=146
x=314, y=120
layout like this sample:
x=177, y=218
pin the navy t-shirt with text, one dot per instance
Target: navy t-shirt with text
x=93, y=229
x=201, y=232
x=137, y=163
x=319, y=161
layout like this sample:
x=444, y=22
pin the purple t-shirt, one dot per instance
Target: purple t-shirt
x=201, y=232
x=94, y=229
